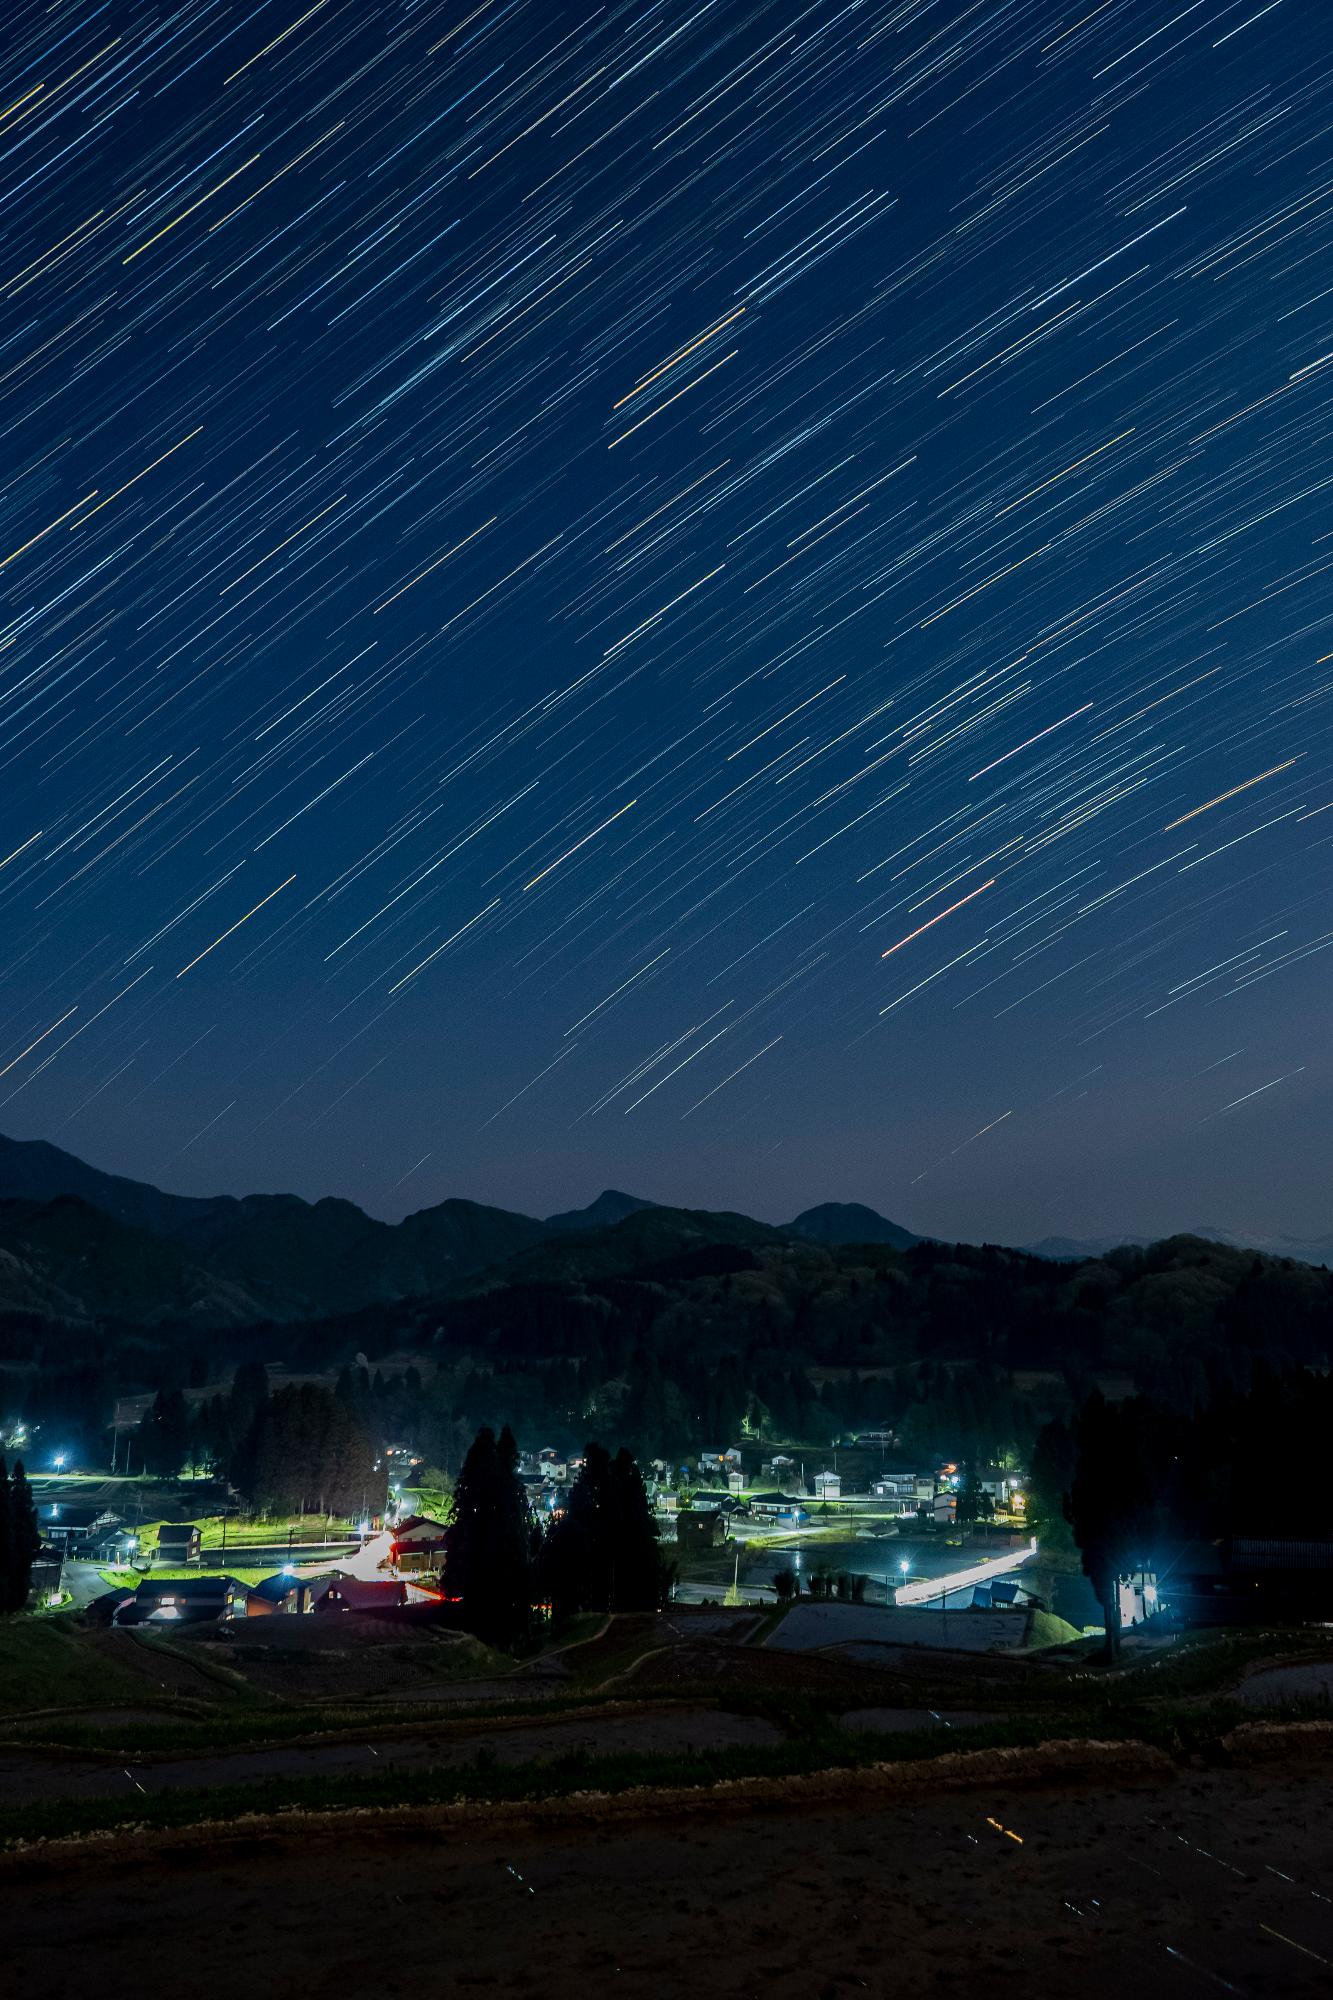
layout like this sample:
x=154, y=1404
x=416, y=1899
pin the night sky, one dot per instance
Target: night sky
x=731, y=600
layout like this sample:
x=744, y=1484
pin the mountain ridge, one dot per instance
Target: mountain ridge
x=80, y=1244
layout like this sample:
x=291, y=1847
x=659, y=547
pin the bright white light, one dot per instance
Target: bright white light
x=904, y=1567
x=928, y=1590
x=59, y=1460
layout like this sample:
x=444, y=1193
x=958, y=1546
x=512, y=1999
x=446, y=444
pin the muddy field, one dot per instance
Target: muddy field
x=1165, y=1884
x=673, y=1731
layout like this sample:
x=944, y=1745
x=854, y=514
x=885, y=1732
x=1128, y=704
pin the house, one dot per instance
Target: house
x=285, y=1595
x=418, y=1542
x=828, y=1486
x=72, y=1527
x=778, y=1467
x=775, y=1505
x=190, y=1600
x=908, y=1490
x=735, y=1482
x=178, y=1543
x=351, y=1593
x=117, y=1545
x=700, y=1528
x=1004, y=1489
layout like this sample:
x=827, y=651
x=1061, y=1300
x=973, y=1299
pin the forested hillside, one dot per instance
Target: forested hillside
x=676, y=1329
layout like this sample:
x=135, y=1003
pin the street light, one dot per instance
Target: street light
x=59, y=1460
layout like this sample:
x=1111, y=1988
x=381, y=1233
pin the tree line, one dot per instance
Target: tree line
x=298, y=1449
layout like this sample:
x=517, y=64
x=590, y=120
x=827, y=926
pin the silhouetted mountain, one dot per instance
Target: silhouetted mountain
x=849, y=1222
x=611, y=1206
x=258, y=1257
x=83, y=1246
x=329, y=1256
x=66, y=1260
x=1073, y=1249
x=651, y=1236
x=31, y=1170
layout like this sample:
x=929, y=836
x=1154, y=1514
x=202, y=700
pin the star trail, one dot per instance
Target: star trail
x=726, y=598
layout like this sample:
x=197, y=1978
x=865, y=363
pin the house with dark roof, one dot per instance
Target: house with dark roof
x=190, y=1600
x=700, y=1527
x=352, y=1593
x=286, y=1594
x=178, y=1542
x=785, y=1507
x=72, y=1526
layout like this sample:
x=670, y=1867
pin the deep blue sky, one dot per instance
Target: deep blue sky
x=727, y=599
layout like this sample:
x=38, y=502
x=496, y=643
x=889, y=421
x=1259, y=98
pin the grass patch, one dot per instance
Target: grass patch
x=130, y=1579
x=49, y=1662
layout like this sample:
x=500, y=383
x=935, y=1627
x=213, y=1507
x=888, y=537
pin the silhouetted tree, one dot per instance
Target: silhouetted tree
x=1116, y=1498
x=19, y=1538
x=1050, y=1476
x=163, y=1436
x=488, y=1543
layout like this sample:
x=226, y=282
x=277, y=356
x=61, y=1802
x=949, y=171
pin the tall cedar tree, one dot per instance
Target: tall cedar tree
x=641, y=1577
x=164, y=1434
x=603, y=1555
x=488, y=1543
x=1117, y=1496
x=19, y=1538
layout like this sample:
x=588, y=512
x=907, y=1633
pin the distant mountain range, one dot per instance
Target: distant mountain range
x=77, y=1244
x=1074, y=1249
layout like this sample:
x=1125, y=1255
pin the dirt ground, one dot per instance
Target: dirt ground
x=1067, y=1890
x=663, y=1733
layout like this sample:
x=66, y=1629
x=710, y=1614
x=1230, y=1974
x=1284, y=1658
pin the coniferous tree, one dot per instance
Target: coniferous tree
x=604, y=1554
x=4, y=1535
x=488, y=1543
x=304, y=1453
x=1116, y=1497
x=21, y=1539
x=640, y=1576
x=164, y=1434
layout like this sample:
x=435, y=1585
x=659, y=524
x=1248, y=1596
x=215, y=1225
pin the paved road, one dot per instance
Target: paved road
x=84, y=1581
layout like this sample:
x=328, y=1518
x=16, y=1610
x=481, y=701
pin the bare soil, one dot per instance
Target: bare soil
x=1130, y=1881
x=646, y=1733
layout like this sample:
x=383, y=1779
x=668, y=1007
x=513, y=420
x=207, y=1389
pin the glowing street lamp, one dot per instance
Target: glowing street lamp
x=59, y=1460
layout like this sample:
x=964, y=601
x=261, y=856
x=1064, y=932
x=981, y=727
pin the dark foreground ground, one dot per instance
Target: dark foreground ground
x=1139, y=1884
